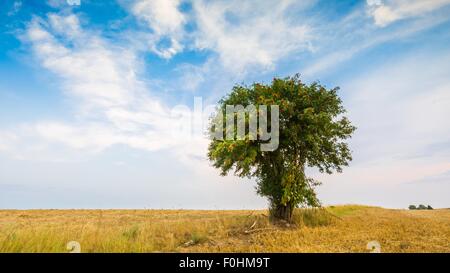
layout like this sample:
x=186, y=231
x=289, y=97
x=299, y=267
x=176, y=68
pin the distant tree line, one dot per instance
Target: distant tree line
x=419, y=207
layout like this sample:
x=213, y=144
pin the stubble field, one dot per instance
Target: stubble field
x=333, y=229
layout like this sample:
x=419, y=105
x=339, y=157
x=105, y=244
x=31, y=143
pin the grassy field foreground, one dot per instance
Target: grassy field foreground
x=336, y=229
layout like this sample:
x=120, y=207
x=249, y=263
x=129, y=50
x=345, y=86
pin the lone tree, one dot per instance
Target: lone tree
x=312, y=132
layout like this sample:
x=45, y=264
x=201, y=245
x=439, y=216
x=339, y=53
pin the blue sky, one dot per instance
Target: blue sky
x=87, y=93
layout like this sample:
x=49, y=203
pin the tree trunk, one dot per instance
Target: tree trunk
x=283, y=212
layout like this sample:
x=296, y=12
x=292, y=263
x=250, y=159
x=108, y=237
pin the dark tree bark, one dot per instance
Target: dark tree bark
x=282, y=212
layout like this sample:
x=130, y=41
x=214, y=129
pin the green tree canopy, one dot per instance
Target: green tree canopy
x=312, y=132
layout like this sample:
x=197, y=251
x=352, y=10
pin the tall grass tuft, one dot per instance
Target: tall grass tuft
x=312, y=217
x=131, y=233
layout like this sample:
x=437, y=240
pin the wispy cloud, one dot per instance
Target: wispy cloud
x=249, y=34
x=389, y=11
x=243, y=35
x=112, y=105
x=165, y=19
x=17, y=5
x=354, y=34
x=396, y=117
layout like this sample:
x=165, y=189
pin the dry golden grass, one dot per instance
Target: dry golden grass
x=336, y=229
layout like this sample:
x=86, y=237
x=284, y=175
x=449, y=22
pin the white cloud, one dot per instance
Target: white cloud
x=166, y=20
x=246, y=34
x=353, y=35
x=112, y=105
x=92, y=137
x=162, y=16
x=387, y=12
x=191, y=76
x=69, y=25
x=6, y=140
x=90, y=70
x=17, y=5
x=63, y=3
x=253, y=34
